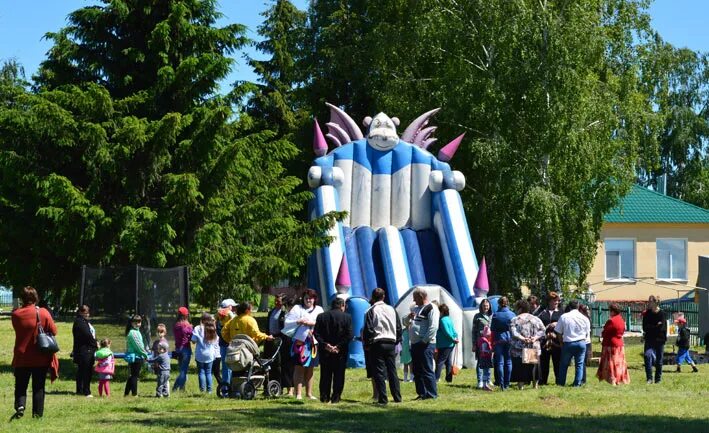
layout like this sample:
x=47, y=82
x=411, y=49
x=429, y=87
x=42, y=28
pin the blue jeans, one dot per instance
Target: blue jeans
x=503, y=363
x=424, y=376
x=653, y=353
x=577, y=350
x=183, y=366
x=204, y=374
x=483, y=374
x=226, y=372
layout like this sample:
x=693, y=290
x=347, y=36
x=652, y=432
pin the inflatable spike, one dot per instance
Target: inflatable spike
x=342, y=283
x=345, y=122
x=415, y=127
x=446, y=153
x=319, y=143
x=481, y=286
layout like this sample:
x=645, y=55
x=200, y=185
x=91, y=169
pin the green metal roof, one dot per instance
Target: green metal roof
x=642, y=205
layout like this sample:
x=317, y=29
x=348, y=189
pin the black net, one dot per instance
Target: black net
x=116, y=293
x=109, y=291
x=160, y=293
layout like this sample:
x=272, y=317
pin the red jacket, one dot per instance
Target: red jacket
x=613, y=331
x=24, y=321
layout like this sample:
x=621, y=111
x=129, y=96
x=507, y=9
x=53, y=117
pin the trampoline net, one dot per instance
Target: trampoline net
x=116, y=293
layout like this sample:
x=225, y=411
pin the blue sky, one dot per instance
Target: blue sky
x=24, y=22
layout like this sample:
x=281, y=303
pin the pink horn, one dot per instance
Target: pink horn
x=319, y=143
x=446, y=153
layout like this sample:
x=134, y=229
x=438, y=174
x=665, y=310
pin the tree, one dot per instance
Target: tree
x=548, y=93
x=124, y=153
x=677, y=130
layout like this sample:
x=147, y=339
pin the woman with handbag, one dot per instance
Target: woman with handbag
x=84, y=348
x=446, y=341
x=526, y=331
x=32, y=358
x=136, y=354
x=299, y=323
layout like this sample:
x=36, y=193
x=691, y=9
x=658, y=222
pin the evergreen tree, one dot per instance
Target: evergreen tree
x=124, y=153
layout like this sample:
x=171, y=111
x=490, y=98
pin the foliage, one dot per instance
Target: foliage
x=123, y=153
x=677, y=130
x=547, y=92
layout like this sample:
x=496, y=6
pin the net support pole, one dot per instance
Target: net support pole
x=137, y=272
x=187, y=287
x=83, y=283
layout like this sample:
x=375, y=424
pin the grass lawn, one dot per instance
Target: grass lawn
x=681, y=402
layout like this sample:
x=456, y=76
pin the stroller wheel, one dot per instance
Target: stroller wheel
x=247, y=390
x=273, y=388
x=224, y=391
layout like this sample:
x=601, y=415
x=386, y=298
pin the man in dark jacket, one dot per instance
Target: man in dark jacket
x=84, y=348
x=381, y=334
x=551, y=350
x=655, y=335
x=333, y=331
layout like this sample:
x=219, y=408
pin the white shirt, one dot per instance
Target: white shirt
x=573, y=326
x=299, y=312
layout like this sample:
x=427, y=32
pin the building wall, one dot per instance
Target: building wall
x=645, y=235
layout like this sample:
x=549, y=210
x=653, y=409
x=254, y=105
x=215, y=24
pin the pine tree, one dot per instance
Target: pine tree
x=124, y=153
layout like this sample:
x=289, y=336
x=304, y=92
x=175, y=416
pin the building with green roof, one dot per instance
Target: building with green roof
x=649, y=244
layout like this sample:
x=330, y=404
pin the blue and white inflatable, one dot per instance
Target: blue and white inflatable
x=406, y=225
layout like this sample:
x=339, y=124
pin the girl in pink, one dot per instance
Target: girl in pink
x=104, y=367
x=484, y=353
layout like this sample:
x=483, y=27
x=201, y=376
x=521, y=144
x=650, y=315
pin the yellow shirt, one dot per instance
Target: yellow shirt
x=244, y=324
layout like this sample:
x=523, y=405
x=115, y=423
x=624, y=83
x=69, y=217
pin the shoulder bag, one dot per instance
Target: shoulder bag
x=46, y=343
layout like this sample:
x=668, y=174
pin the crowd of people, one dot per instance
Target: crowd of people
x=521, y=344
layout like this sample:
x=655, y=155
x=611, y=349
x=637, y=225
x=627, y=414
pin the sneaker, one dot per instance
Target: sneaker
x=89, y=396
x=650, y=382
x=486, y=387
x=695, y=369
x=20, y=412
x=480, y=385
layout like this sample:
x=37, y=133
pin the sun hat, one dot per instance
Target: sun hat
x=228, y=302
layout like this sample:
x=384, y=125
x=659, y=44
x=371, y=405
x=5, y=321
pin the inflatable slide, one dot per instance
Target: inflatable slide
x=405, y=226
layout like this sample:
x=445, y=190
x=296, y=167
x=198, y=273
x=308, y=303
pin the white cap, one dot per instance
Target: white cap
x=227, y=303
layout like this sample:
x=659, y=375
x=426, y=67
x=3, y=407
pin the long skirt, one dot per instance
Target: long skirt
x=613, y=368
x=524, y=373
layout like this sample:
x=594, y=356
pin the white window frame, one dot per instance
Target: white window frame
x=686, y=261
x=635, y=261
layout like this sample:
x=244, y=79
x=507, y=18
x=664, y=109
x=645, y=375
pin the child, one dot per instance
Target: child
x=161, y=365
x=205, y=337
x=484, y=345
x=406, y=355
x=105, y=367
x=683, y=345
x=161, y=330
x=161, y=362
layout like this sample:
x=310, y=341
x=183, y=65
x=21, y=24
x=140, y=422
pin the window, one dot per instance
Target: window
x=620, y=259
x=671, y=259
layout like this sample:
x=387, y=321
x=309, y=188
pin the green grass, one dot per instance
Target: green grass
x=680, y=402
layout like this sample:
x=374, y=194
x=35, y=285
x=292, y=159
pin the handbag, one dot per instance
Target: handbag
x=455, y=370
x=530, y=355
x=46, y=342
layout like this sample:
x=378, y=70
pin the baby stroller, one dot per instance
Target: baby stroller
x=249, y=370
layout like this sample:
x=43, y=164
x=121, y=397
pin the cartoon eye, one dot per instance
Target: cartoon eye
x=377, y=123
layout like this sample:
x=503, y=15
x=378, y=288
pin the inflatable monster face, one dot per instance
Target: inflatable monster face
x=382, y=132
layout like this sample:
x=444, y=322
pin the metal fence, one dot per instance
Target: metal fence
x=6, y=299
x=632, y=315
